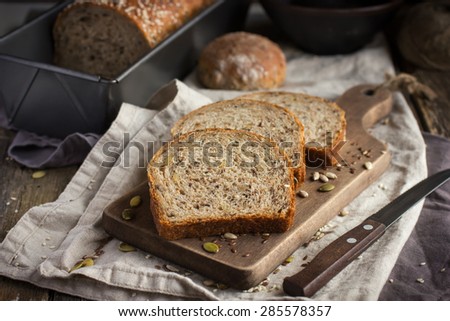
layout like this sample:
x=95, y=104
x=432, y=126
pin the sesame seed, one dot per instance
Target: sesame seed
x=391, y=280
x=420, y=280
x=422, y=263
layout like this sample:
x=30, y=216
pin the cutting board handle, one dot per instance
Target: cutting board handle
x=364, y=106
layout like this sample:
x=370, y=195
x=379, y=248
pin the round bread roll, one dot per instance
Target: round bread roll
x=242, y=61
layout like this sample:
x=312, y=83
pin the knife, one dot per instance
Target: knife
x=336, y=256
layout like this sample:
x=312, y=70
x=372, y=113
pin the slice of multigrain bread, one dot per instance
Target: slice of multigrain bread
x=215, y=181
x=263, y=118
x=324, y=123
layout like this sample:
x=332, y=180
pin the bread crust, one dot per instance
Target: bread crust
x=316, y=156
x=154, y=20
x=242, y=61
x=257, y=222
x=300, y=171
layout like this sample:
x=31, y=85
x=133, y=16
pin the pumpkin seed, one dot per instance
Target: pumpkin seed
x=127, y=214
x=88, y=262
x=81, y=264
x=211, y=247
x=327, y=187
x=368, y=165
x=124, y=247
x=135, y=201
x=289, y=260
x=38, y=174
x=230, y=236
x=77, y=266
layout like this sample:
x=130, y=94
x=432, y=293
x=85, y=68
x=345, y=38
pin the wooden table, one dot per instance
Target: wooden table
x=19, y=192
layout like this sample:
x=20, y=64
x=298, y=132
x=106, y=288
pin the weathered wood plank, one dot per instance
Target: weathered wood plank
x=435, y=116
x=18, y=193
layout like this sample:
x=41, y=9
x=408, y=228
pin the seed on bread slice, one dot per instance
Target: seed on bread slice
x=324, y=122
x=263, y=118
x=215, y=181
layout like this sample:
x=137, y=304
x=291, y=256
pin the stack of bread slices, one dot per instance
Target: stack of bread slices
x=235, y=165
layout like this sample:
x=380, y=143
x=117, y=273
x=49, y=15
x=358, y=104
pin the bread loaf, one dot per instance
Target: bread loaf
x=241, y=61
x=104, y=37
x=324, y=123
x=215, y=181
x=262, y=118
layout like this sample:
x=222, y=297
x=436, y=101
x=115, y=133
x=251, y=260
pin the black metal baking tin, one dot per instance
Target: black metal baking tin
x=46, y=99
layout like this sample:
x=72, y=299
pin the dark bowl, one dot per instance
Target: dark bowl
x=328, y=27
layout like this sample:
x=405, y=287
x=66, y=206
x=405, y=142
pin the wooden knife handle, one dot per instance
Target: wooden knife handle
x=334, y=258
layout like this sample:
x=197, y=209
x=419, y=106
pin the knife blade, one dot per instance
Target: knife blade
x=336, y=256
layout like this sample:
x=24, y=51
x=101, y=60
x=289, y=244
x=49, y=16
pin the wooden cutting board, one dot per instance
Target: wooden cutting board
x=256, y=258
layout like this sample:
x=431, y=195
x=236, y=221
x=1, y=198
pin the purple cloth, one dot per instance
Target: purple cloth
x=36, y=151
x=429, y=242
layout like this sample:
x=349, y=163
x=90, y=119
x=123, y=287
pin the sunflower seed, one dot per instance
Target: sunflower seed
x=210, y=283
x=265, y=235
x=327, y=187
x=210, y=247
x=420, y=280
x=323, y=178
x=135, y=201
x=38, y=174
x=316, y=176
x=331, y=175
x=170, y=268
x=368, y=165
x=230, y=236
x=302, y=194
